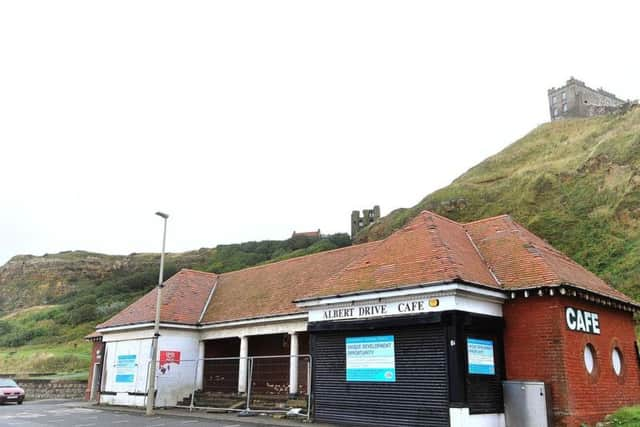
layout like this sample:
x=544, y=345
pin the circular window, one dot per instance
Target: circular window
x=616, y=360
x=589, y=358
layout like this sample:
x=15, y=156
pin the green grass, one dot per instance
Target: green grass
x=25, y=313
x=627, y=417
x=576, y=183
x=65, y=359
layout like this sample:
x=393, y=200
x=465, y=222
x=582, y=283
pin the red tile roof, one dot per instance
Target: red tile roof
x=270, y=289
x=430, y=249
x=184, y=297
x=520, y=259
x=495, y=253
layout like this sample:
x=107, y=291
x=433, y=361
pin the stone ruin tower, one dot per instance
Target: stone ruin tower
x=358, y=222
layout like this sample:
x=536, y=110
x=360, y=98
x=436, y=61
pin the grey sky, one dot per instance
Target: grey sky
x=246, y=120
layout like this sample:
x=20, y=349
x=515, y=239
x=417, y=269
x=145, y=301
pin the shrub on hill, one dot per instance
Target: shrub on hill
x=238, y=256
x=70, y=316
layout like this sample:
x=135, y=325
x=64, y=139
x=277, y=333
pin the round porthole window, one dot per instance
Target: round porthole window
x=589, y=358
x=616, y=360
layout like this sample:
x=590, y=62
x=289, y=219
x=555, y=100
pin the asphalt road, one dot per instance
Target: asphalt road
x=65, y=414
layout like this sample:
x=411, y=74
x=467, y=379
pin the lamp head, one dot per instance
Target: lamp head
x=162, y=214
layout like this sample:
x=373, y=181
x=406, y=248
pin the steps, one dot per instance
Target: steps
x=232, y=401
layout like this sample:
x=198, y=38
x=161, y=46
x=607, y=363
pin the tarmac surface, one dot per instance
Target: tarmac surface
x=79, y=414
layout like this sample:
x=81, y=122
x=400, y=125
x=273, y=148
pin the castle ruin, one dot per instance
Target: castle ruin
x=358, y=222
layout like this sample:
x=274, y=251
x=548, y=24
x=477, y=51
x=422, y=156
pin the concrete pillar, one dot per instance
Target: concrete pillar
x=242, y=374
x=293, y=365
x=200, y=366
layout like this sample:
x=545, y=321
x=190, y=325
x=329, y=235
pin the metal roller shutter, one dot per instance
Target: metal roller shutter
x=418, y=397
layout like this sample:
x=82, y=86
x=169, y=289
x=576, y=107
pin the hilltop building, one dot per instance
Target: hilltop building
x=420, y=328
x=576, y=99
x=309, y=234
x=358, y=222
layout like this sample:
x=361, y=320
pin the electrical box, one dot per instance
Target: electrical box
x=527, y=404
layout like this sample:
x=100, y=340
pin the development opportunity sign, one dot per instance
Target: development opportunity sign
x=480, y=356
x=126, y=368
x=371, y=359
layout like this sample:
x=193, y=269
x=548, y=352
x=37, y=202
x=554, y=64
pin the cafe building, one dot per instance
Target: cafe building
x=424, y=328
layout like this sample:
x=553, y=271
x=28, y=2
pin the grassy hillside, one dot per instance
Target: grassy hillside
x=48, y=303
x=576, y=183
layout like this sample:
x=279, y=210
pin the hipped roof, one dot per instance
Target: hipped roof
x=184, y=297
x=430, y=249
x=520, y=259
x=495, y=253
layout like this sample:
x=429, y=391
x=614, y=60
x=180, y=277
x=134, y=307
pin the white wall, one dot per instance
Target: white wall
x=248, y=329
x=178, y=381
x=460, y=417
x=173, y=384
x=141, y=349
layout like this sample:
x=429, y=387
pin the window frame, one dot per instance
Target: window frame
x=616, y=351
x=594, y=359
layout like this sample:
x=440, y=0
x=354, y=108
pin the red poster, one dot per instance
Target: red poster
x=169, y=357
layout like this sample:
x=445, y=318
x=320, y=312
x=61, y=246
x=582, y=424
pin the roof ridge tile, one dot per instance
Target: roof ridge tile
x=426, y=211
x=484, y=261
x=447, y=250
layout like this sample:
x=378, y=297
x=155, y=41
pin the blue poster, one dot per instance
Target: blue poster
x=126, y=368
x=371, y=359
x=480, y=356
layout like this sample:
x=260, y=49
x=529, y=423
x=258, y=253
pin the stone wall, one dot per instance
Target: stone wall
x=53, y=389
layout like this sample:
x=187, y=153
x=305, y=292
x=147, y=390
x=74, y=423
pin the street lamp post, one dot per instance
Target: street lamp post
x=151, y=391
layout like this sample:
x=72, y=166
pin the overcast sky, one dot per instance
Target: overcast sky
x=246, y=120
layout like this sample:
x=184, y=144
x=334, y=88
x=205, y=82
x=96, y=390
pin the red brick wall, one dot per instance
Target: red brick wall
x=593, y=396
x=534, y=347
x=271, y=376
x=222, y=375
x=539, y=346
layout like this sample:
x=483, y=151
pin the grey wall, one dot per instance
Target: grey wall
x=53, y=389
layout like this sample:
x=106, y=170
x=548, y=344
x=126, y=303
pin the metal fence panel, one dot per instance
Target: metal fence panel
x=213, y=385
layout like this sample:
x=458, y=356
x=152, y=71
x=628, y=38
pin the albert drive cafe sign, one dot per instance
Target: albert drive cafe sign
x=376, y=310
x=403, y=303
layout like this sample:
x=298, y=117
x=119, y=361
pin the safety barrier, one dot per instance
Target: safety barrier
x=254, y=384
